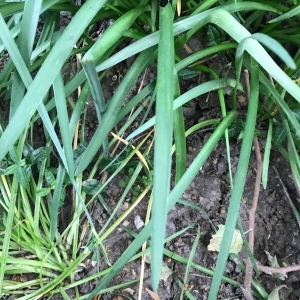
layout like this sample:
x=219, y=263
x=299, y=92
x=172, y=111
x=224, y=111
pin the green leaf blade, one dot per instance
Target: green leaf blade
x=163, y=139
x=48, y=72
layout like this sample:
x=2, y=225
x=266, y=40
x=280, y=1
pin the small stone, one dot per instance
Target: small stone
x=178, y=250
x=125, y=223
x=237, y=269
x=189, y=112
x=124, y=206
x=138, y=222
x=230, y=267
x=222, y=167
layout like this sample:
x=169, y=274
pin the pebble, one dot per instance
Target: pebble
x=230, y=267
x=190, y=111
x=138, y=222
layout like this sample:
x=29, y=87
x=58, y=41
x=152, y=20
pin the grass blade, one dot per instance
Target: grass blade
x=47, y=73
x=189, y=262
x=63, y=119
x=112, y=35
x=239, y=183
x=80, y=103
x=280, y=101
x=22, y=112
x=163, y=139
x=25, y=42
x=295, y=11
x=176, y=193
x=180, y=27
x=277, y=48
x=266, y=159
x=9, y=224
x=179, y=137
x=108, y=121
x=55, y=203
x=191, y=94
x=154, y=6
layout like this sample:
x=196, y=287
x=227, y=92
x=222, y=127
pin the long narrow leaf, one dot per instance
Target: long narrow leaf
x=80, y=103
x=47, y=73
x=179, y=137
x=108, y=121
x=190, y=261
x=181, y=26
x=239, y=183
x=223, y=19
x=21, y=115
x=63, y=119
x=173, y=197
x=163, y=139
x=277, y=48
x=106, y=40
x=55, y=203
x=188, y=96
x=266, y=160
x=9, y=224
x=25, y=43
x=295, y=11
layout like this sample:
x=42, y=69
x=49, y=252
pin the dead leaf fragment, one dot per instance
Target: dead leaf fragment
x=275, y=295
x=242, y=99
x=153, y=294
x=274, y=263
x=19, y=278
x=236, y=243
x=128, y=291
x=165, y=273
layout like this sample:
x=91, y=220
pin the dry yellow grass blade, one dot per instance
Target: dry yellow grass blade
x=138, y=153
x=179, y=7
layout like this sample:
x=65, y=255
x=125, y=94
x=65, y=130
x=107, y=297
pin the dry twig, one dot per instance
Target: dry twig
x=249, y=268
x=281, y=270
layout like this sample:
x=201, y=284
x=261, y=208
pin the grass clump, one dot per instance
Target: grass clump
x=36, y=180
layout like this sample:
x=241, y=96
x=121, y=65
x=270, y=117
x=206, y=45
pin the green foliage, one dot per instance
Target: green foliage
x=36, y=156
x=141, y=182
x=188, y=73
x=23, y=167
x=50, y=179
x=214, y=36
x=91, y=186
x=237, y=129
x=42, y=85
